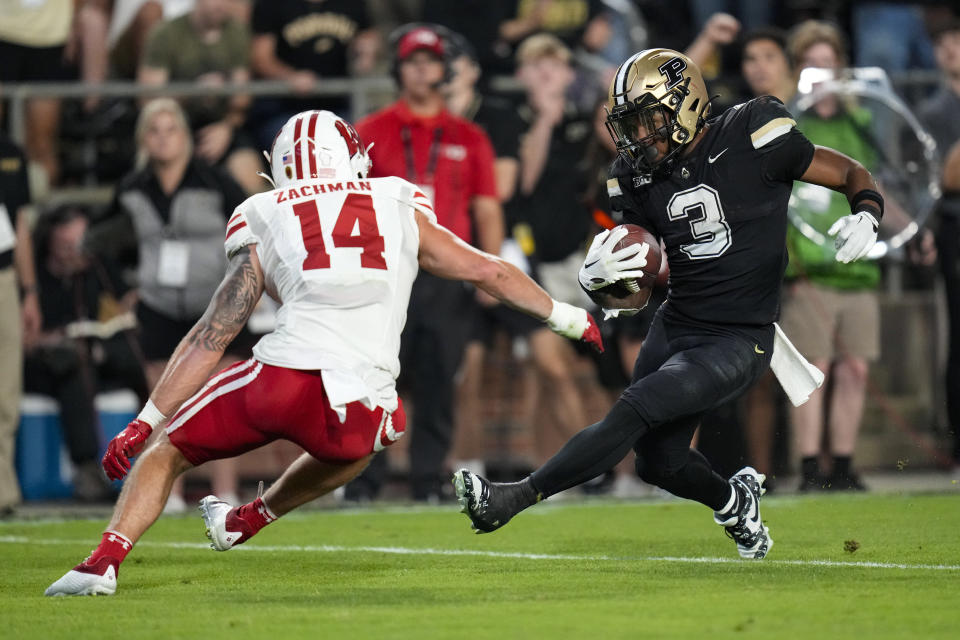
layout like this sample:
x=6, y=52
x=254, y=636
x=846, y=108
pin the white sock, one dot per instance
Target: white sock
x=731, y=502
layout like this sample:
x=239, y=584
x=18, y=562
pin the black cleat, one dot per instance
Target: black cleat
x=490, y=505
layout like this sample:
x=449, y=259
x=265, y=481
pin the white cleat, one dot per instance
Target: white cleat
x=745, y=526
x=87, y=581
x=220, y=518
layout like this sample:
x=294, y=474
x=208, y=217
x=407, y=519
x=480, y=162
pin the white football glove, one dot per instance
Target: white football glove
x=620, y=313
x=604, y=266
x=856, y=235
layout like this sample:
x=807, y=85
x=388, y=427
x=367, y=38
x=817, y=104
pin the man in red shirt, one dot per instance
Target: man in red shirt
x=451, y=159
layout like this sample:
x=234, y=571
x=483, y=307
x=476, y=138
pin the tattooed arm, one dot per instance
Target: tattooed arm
x=201, y=349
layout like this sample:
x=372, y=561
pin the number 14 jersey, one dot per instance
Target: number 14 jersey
x=340, y=256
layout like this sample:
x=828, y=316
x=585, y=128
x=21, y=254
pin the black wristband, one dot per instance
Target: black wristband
x=874, y=203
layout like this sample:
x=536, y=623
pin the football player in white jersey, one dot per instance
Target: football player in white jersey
x=339, y=252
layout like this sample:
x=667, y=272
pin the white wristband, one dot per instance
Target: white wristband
x=151, y=415
x=567, y=320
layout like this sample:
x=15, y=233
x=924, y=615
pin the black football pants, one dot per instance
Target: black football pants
x=682, y=371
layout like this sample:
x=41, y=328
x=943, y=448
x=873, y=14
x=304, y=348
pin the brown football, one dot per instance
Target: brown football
x=626, y=291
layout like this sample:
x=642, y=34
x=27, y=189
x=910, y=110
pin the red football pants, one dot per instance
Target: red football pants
x=251, y=404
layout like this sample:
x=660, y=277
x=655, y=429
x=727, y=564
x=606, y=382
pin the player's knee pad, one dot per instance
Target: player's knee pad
x=655, y=472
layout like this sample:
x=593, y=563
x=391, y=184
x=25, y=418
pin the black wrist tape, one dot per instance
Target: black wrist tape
x=868, y=200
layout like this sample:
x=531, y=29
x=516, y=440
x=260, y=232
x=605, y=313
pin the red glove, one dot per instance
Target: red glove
x=591, y=335
x=126, y=444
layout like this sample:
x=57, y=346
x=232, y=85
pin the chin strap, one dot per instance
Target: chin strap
x=265, y=176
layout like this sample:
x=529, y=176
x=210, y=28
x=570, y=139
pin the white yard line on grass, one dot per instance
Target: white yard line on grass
x=496, y=554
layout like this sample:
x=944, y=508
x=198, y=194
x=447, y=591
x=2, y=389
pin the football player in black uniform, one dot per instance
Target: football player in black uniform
x=715, y=191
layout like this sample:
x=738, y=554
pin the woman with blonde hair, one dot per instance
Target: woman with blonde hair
x=175, y=207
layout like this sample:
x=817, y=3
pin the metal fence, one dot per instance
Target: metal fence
x=362, y=93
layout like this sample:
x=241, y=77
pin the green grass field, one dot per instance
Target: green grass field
x=601, y=569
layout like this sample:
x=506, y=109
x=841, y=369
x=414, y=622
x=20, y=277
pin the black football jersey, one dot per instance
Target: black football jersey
x=722, y=213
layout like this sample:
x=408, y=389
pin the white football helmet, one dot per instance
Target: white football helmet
x=317, y=144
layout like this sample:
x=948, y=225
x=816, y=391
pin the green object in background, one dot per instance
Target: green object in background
x=819, y=207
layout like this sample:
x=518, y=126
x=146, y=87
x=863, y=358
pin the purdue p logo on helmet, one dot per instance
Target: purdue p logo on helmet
x=657, y=95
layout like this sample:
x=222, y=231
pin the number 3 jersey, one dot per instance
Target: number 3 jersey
x=340, y=256
x=722, y=213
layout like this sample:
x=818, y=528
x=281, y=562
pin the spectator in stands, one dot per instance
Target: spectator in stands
x=210, y=47
x=753, y=14
x=939, y=116
x=175, y=207
x=891, y=35
x=831, y=311
x=717, y=32
x=765, y=64
x=500, y=121
x=496, y=116
x=478, y=21
x=939, y=113
x=549, y=207
x=33, y=38
x=577, y=23
x=20, y=318
x=452, y=160
x=109, y=37
x=552, y=177
x=84, y=344
x=302, y=42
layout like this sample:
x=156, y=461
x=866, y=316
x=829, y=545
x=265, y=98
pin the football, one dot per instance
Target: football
x=625, y=291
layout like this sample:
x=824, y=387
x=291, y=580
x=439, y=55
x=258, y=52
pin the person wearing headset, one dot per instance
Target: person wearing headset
x=452, y=161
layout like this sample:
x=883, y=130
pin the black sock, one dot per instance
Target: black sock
x=810, y=468
x=592, y=451
x=841, y=466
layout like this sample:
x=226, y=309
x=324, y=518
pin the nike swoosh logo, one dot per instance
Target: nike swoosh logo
x=712, y=159
x=385, y=432
x=590, y=264
x=757, y=348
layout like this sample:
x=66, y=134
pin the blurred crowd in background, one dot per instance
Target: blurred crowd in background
x=115, y=198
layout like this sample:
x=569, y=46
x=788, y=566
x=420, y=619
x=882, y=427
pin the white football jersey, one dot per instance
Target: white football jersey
x=341, y=257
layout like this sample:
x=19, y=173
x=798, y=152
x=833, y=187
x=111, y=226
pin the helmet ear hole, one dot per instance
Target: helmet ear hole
x=289, y=172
